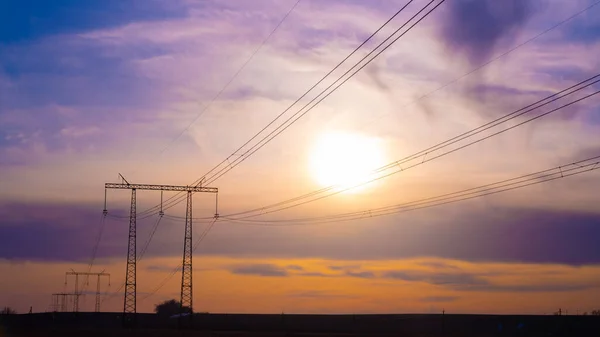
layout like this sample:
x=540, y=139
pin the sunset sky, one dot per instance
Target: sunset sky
x=91, y=89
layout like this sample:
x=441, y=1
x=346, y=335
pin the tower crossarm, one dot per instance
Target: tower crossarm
x=161, y=187
x=86, y=273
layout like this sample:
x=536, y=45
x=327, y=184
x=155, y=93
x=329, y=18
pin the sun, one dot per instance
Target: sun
x=345, y=159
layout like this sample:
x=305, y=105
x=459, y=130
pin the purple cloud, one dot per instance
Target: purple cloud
x=535, y=236
x=475, y=27
x=540, y=287
x=500, y=99
x=467, y=281
x=437, y=278
x=54, y=232
x=259, y=270
x=65, y=232
x=44, y=235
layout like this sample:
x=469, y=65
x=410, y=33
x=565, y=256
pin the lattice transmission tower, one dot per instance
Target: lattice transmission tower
x=60, y=301
x=129, y=301
x=78, y=291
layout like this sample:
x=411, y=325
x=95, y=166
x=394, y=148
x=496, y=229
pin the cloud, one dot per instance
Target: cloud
x=315, y=294
x=481, y=282
x=563, y=237
x=68, y=232
x=345, y=267
x=74, y=132
x=467, y=233
x=360, y=274
x=437, y=278
x=271, y=270
x=260, y=270
x=45, y=235
x=528, y=288
x=375, y=73
x=588, y=152
x=315, y=274
x=476, y=27
x=295, y=267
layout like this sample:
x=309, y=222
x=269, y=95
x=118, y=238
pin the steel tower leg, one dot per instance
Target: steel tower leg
x=129, y=305
x=76, y=299
x=186, y=270
x=97, y=307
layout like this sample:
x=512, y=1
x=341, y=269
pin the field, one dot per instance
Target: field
x=110, y=324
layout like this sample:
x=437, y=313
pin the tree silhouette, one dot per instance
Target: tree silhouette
x=7, y=311
x=169, y=308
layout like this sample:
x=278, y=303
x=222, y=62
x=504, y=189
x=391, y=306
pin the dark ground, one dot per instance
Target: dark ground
x=110, y=325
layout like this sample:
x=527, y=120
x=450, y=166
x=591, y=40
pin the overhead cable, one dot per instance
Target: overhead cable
x=559, y=172
x=240, y=158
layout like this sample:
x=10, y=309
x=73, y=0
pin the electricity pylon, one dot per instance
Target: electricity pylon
x=60, y=301
x=129, y=301
x=88, y=274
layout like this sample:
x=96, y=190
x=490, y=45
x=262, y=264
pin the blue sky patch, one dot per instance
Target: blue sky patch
x=25, y=20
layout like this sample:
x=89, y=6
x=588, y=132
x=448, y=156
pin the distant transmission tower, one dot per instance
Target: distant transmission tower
x=77, y=290
x=129, y=301
x=60, y=301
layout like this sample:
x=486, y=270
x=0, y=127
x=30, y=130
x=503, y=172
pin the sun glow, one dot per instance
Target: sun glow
x=345, y=159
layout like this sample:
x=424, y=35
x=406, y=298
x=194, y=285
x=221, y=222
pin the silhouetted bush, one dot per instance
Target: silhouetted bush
x=7, y=311
x=170, y=308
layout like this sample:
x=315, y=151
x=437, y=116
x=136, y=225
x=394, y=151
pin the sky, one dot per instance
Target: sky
x=92, y=89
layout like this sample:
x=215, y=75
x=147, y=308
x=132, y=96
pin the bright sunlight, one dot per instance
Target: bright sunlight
x=345, y=159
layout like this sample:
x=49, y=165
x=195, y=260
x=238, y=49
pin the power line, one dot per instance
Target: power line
x=494, y=59
x=457, y=79
x=123, y=218
x=150, y=237
x=257, y=147
x=401, y=169
x=147, y=243
x=421, y=154
x=175, y=217
x=563, y=171
x=517, y=113
x=275, y=133
x=295, y=102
